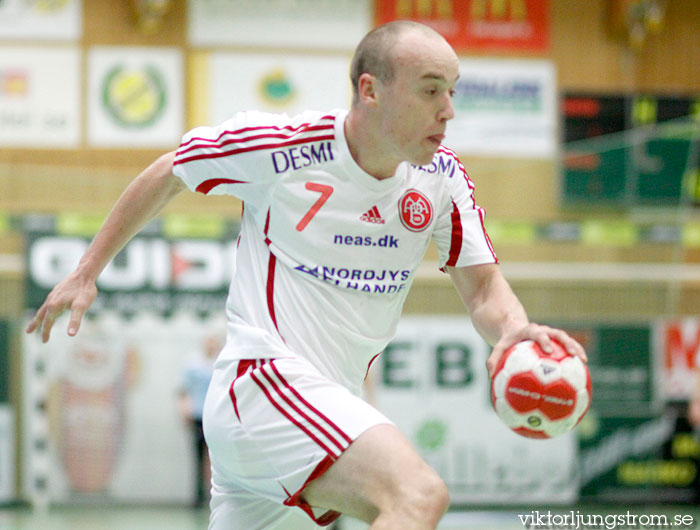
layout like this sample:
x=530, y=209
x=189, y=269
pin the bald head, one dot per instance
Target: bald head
x=375, y=53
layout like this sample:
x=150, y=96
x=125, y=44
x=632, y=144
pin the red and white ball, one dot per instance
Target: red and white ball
x=540, y=395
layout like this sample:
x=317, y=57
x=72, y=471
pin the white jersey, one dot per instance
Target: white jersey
x=326, y=253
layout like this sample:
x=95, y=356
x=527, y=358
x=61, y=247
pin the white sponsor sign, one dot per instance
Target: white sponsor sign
x=41, y=20
x=101, y=410
x=277, y=83
x=135, y=97
x=40, y=94
x=504, y=108
x=432, y=382
x=329, y=24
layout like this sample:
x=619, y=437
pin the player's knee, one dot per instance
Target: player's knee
x=437, y=496
x=427, y=498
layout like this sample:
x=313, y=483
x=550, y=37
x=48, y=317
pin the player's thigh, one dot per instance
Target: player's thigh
x=245, y=511
x=380, y=468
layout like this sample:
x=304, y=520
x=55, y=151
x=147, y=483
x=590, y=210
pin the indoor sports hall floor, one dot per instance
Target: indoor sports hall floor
x=181, y=518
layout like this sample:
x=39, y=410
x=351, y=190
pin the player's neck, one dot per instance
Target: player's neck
x=365, y=149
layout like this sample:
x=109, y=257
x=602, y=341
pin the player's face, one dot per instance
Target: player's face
x=417, y=103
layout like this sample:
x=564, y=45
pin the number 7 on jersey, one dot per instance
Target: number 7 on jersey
x=325, y=192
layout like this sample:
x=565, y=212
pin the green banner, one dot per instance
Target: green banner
x=622, y=369
x=646, y=459
x=627, y=150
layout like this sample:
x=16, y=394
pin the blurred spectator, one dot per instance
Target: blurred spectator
x=193, y=390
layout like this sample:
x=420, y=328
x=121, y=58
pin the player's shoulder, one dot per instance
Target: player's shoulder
x=445, y=164
x=301, y=119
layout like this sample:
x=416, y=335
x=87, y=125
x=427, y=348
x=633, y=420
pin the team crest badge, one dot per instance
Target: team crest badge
x=415, y=211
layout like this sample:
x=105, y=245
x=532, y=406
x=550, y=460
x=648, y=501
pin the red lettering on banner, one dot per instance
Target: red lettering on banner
x=681, y=344
x=477, y=24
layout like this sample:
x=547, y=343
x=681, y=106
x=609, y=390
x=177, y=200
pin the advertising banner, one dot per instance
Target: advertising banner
x=152, y=273
x=135, y=97
x=101, y=410
x=40, y=21
x=276, y=83
x=650, y=459
x=504, y=108
x=40, y=94
x=677, y=346
x=623, y=368
x=326, y=24
x=505, y=25
x=432, y=382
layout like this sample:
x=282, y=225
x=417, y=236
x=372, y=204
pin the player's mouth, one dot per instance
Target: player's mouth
x=436, y=139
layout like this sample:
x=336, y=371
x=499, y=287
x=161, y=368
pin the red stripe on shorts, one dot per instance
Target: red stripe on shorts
x=312, y=408
x=290, y=417
x=243, y=367
x=295, y=407
x=295, y=500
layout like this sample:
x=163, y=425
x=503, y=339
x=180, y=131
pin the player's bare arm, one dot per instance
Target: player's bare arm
x=499, y=316
x=142, y=200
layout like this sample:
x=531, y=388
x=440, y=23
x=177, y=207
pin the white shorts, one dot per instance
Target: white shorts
x=272, y=426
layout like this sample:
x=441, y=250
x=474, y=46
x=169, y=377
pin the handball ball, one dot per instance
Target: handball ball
x=540, y=395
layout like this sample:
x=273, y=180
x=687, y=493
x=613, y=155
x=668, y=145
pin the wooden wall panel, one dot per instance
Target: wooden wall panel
x=589, y=57
x=585, y=55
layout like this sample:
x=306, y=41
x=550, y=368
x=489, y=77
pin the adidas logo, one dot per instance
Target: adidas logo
x=372, y=216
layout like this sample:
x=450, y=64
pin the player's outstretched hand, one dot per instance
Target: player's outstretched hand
x=543, y=335
x=72, y=293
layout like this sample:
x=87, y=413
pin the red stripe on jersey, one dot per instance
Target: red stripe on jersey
x=267, y=227
x=470, y=183
x=369, y=365
x=254, y=148
x=449, y=152
x=456, y=240
x=287, y=415
x=208, y=185
x=302, y=127
x=316, y=411
x=271, y=289
x=486, y=235
x=296, y=408
x=218, y=143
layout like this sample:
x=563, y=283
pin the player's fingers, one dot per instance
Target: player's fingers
x=494, y=358
x=36, y=319
x=47, y=323
x=542, y=337
x=76, y=317
x=571, y=345
x=51, y=313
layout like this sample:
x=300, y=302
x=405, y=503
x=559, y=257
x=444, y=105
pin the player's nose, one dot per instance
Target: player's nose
x=447, y=110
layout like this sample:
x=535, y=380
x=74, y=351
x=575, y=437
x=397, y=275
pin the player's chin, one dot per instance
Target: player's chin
x=424, y=158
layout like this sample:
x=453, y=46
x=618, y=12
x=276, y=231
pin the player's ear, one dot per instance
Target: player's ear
x=367, y=89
